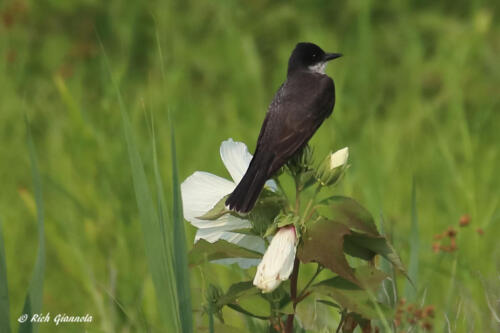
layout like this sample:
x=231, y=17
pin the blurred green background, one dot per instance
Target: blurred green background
x=418, y=97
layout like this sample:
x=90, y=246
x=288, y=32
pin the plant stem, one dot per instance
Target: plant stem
x=303, y=292
x=293, y=295
x=306, y=216
x=341, y=323
x=297, y=195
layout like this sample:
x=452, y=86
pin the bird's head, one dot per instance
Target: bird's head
x=311, y=57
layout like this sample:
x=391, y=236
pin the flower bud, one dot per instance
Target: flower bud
x=277, y=263
x=332, y=167
x=301, y=162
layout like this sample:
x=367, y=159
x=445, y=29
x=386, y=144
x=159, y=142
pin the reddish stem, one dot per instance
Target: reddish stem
x=293, y=294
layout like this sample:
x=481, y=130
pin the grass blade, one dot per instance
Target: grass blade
x=33, y=300
x=410, y=291
x=4, y=291
x=180, y=249
x=160, y=258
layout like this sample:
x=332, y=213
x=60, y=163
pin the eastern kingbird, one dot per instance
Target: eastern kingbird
x=299, y=107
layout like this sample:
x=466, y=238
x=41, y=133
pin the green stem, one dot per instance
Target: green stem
x=297, y=195
x=342, y=319
x=304, y=290
x=306, y=217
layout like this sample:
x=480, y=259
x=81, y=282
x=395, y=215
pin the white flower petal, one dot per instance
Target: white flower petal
x=277, y=263
x=272, y=185
x=200, y=192
x=236, y=158
x=339, y=158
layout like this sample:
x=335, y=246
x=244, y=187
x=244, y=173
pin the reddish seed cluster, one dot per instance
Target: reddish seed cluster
x=12, y=13
x=464, y=220
x=413, y=315
x=449, y=236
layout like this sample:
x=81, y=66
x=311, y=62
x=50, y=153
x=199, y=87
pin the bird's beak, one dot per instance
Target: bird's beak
x=331, y=56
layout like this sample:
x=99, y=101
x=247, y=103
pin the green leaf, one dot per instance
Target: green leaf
x=156, y=232
x=282, y=220
x=237, y=291
x=34, y=298
x=266, y=209
x=330, y=304
x=410, y=291
x=4, y=291
x=353, y=297
x=376, y=245
x=323, y=243
x=205, y=251
x=254, y=305
x=316, y=316
x=217, y=211
x=353, y=248
x=213, y=294
x=180, y=248
x=349, y=212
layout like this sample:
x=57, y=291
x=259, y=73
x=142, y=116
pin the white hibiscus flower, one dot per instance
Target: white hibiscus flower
x=202, y=191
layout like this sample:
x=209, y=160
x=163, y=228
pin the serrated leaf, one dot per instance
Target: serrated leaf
x=323, y=242
x=353, y=297
x=217, y=211
x=205, y=251
x=349, y=212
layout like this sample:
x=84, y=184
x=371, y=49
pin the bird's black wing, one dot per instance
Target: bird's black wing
x=298, y=110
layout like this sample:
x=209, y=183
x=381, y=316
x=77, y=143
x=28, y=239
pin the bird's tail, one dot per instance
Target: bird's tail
x=247, y=192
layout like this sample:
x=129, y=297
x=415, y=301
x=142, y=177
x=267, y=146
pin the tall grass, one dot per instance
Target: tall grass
x=164, y=240
x=4, y=290
x=34, y=298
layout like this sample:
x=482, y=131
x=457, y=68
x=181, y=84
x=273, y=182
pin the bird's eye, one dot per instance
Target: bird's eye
x=314, y=55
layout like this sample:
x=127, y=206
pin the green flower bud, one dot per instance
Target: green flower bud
x=332, y=167
x=301, y=162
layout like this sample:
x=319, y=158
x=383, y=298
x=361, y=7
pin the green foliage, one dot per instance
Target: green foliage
x=218, y=210
x=410, y=291
x=204, y=251
x=323, y=243
x=179, y=247
x=4, y=290
x=349, y=212
x=34, y=298
x=166, y=254
x=353, y=297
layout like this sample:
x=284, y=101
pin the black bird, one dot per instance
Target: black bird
x=299, y=107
